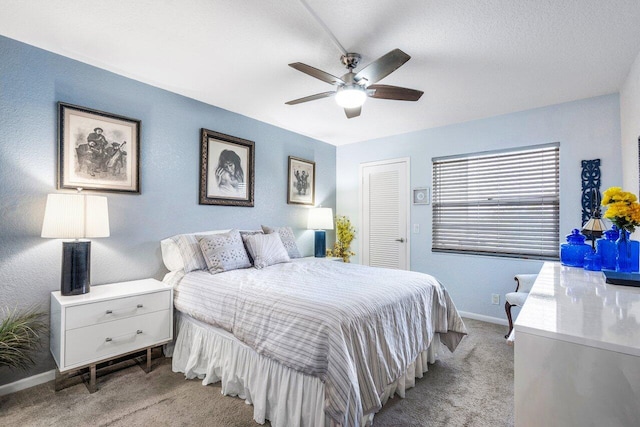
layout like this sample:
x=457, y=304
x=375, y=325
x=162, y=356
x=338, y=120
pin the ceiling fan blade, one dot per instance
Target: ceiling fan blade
x=394, y=92
x=311, y=98
x=352, y=112
x=382, y=67
x=318, y=74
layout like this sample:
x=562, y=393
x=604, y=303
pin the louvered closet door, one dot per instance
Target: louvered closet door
x=385, y=198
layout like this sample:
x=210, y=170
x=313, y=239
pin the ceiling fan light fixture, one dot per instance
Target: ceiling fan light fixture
x=351, y=96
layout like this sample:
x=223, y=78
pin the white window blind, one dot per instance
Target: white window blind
x=504, y=203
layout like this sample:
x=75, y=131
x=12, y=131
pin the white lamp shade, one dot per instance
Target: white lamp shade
x=351, y=96
x=320, y=219
x=75, y=216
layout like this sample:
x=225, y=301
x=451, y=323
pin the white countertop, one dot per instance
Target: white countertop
x=577, y=306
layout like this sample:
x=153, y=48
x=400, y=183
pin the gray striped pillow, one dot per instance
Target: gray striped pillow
x=246, y=233
x=191, y=253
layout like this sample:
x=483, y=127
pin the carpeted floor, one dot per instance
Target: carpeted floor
x=471, y=387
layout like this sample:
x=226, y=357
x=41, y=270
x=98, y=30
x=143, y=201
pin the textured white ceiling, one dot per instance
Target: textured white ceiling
x=473, y=59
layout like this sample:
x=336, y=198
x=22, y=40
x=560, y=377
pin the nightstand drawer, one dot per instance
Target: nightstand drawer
x=120, y=308
x=104, y=340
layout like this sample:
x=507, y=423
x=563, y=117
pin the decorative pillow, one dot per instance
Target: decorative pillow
x=266, y=249
x=182, y=251
x=224, y=252
x=288, y=239
x=246, y=233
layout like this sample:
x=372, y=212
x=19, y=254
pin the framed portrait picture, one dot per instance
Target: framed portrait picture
x=301, y=187
x=226, y=169
x=97, y=150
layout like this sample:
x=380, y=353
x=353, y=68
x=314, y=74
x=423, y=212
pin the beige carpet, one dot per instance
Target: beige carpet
x=471, y=387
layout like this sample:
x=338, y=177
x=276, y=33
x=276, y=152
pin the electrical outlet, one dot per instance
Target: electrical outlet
x=495, y=299
x=416, y=228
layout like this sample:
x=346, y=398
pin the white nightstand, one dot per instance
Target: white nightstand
x=110, y=321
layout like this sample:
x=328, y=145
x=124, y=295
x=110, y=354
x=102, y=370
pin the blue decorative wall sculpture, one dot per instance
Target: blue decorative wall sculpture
x=590, y=182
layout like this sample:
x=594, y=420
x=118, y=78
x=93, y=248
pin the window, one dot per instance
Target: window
x=502, y=203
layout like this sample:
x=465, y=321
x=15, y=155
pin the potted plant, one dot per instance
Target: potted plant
x=20, y=333
x=345, y=233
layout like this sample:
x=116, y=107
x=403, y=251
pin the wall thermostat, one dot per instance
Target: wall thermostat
x=421, y=196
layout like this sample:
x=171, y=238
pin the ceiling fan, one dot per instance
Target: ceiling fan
x=352, y=89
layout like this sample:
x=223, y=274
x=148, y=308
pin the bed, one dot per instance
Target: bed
x=309, y=341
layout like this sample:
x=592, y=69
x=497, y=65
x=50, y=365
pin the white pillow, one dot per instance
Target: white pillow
x=224, y=251
x=288, y=239
x=265, y=249
x=182, y=251
x=243, y=234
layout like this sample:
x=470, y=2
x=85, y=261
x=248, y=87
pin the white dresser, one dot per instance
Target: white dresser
x=108, y=322
x=577, y=351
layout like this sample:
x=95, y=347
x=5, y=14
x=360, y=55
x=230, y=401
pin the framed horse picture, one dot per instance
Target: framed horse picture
x=97, y=150
x=301, y=187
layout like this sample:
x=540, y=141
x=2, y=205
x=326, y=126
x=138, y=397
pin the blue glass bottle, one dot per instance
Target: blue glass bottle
x=635, y=256
x=627, y=253
x=572, y=253
x=606, y=247
x=592, y=261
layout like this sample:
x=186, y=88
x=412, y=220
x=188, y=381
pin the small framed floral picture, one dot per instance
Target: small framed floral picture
x=301, y=186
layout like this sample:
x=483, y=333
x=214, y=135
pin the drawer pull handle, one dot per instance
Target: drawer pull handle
x=109, y=339
x=138, y=306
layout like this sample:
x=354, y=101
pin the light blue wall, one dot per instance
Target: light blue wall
x=32, y=81
x=586, y=129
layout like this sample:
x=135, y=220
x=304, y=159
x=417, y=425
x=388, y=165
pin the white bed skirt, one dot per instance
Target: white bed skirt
x=279, y=394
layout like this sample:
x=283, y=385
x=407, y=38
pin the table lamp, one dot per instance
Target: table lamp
x=320, y=219
x=593, y=229
x=75, y=216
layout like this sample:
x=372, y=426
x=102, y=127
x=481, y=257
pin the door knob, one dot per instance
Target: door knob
x=401, y=240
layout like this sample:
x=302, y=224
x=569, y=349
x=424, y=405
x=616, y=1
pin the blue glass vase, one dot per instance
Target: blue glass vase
x=606, y=247
x=623, y=253
x=593, y=261
x=627, y=253
x=572, y=253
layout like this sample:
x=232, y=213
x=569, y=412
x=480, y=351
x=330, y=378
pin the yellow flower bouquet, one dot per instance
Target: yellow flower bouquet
x=623, y=208
x=345, y=233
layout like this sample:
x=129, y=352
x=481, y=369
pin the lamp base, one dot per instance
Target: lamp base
x=321, y=244
x=76, y=268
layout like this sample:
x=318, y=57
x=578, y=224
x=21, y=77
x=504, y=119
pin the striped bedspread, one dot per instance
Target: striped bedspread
x=357, y=328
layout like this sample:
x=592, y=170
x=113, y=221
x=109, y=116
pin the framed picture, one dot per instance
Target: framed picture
x=97, y=150
x=226, y=170
x=301, y=186
x=421, y=196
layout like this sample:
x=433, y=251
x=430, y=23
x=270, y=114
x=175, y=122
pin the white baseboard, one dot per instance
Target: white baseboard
x=484, y=318
x=27, y=382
